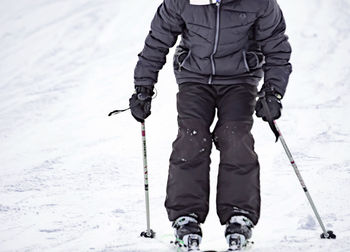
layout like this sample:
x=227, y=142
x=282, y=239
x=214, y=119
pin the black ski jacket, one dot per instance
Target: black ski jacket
x=230, y=42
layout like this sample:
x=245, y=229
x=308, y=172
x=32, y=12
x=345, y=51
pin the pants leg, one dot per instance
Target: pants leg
x=238, y=188
x=188, y=180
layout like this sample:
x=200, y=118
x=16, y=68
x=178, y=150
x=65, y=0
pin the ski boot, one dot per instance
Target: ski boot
x=188, y=233
x=238, y=231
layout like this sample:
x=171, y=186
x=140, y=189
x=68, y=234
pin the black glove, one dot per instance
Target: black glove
x=273, y=100
x=140, y=102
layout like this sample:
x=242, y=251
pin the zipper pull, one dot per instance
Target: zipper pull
x=218, y=2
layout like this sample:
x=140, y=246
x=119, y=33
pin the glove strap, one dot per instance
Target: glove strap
x=267, y=111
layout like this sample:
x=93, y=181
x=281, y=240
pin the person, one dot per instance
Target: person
x=226, y=48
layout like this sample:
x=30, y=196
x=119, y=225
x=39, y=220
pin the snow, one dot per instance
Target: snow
x=71, y=178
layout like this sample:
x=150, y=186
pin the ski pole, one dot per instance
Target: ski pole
x=327, y=234
x=149, y=233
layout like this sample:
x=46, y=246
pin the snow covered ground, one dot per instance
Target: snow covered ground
x=71, y=178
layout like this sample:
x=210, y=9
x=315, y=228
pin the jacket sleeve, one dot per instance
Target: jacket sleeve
x=270, y=34
x=166, y=25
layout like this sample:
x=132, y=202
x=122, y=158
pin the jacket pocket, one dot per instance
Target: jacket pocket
x=253, y=60
x=180, y=57
x=240, y=62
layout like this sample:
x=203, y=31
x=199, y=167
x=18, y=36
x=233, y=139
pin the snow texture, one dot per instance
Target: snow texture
x=71, y=178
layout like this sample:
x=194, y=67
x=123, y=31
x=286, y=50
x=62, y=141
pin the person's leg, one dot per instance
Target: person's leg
x=238, y=189
x=188, y=180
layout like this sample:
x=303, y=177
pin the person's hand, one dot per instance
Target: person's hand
x=273, y=100
x=140, y=102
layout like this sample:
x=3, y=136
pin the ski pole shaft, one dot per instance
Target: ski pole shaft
x=297, y=172
x=149, y=233
x=145, y=169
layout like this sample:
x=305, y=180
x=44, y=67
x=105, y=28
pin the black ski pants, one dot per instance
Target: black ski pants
x=238, y=186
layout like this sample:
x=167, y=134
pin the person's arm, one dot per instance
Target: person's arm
x=166, y=25
x=270, y=34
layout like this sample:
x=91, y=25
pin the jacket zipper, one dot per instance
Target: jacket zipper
x=216, y=41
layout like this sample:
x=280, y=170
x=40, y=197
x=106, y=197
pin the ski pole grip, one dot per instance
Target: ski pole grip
x=262, y=97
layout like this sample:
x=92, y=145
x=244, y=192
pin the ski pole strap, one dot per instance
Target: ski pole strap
x=117, y=111
x=269, y=118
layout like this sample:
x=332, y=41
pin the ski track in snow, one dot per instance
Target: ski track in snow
x=71, y=178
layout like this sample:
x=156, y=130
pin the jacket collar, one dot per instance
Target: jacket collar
x=202, y=2
x=208, y=2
